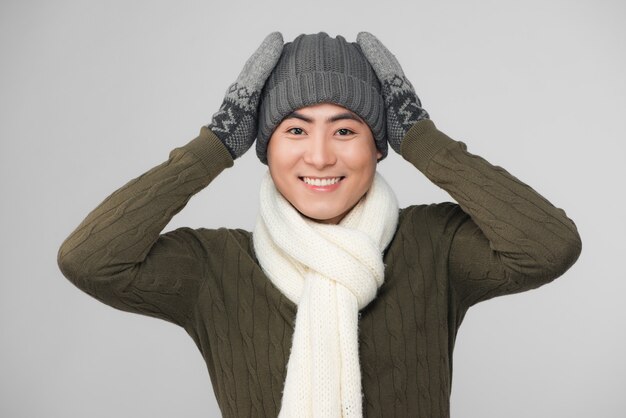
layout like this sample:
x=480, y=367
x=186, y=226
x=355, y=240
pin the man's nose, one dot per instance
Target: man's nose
x=320, y=151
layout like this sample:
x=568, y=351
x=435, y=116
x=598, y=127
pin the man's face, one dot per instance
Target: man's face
x=323, y=141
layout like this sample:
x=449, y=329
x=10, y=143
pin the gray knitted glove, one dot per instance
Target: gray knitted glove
x=235, y=123
x=402, y=105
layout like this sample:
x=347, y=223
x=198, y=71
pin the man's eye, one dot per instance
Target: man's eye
x=296, y=133
x=346, y=131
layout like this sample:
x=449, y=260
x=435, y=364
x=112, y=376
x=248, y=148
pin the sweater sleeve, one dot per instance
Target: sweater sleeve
x=118, y=255
x=506, y=237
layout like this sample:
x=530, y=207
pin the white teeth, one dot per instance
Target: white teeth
x=320, y=182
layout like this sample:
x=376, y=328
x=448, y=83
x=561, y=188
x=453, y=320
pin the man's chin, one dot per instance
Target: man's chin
x=333, y=219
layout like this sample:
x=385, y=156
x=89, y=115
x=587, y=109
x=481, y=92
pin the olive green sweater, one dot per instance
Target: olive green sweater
x=501, y=238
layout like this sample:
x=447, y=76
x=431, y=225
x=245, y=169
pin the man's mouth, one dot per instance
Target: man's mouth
x=321, y=181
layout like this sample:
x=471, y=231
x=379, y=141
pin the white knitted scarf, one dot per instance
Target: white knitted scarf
x=330, y=272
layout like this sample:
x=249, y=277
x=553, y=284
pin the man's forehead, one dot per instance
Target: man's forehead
x=342, y=114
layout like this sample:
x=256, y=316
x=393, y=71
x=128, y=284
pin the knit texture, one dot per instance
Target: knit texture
x=316, y=68
x=403, y=107
x=331, y=272
x=502, y=237
x=235, y=122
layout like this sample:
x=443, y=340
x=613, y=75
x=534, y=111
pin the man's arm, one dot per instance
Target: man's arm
x=510, y=238
x=118, y=254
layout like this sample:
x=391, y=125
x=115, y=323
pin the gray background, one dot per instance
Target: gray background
x=94, y=94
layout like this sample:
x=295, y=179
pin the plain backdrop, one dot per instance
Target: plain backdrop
x=93, y=94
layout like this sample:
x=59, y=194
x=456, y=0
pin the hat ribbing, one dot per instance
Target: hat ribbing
x=315, y=68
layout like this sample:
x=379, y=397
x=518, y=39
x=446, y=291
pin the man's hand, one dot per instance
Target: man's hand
x=235, y=123
x=403, y=106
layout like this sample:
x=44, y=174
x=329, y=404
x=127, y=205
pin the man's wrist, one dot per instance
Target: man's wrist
x=422, y=142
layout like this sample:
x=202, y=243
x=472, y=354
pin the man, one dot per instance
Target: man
x=339, y=303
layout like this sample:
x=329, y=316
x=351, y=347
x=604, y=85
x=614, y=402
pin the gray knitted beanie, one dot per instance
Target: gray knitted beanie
x=316, y=68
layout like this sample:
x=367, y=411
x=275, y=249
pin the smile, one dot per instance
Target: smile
x=325, y=181
x=322, y=184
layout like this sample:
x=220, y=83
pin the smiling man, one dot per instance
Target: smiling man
x=339, y=303
x=322, y=159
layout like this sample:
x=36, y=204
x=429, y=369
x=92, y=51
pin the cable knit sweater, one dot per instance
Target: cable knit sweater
x=502, y=237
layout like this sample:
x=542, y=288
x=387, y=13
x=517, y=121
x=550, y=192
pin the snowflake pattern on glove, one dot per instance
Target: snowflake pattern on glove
x=235, y=123
x=404, y=108
x=402, y=105
x=236, y=120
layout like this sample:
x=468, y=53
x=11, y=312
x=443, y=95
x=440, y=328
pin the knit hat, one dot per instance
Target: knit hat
x=316, y=68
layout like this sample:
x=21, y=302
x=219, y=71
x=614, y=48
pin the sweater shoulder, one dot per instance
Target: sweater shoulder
x=226, y=242
x=437, y=218
x=429, y=227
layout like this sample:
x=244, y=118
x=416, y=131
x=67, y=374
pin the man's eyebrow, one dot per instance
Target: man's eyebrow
x=334, y=118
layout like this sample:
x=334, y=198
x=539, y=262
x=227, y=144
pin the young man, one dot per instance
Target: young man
x=339, y=303
x=322, y=159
